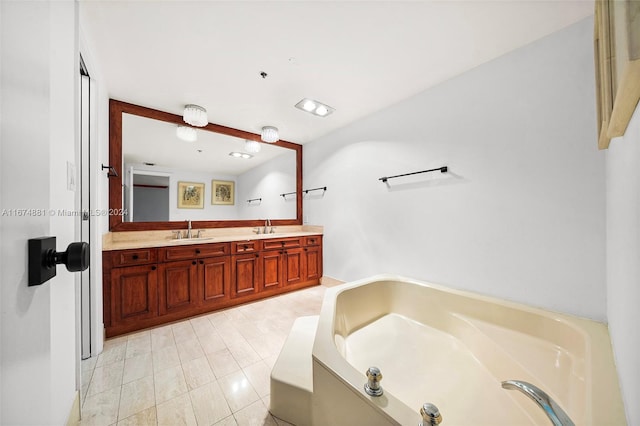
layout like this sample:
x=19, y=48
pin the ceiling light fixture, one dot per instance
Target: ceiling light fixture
x=195, y=115
x=315, y=107
x=269, y=134
x=240, y=155
x=252, y=146
x=187, y=134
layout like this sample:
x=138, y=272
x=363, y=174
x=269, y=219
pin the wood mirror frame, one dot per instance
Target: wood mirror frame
x=116, y=109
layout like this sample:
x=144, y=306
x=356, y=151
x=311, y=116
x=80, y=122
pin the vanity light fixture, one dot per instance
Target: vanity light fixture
x=195, y=115
x=315, y=107
x=244, y=155
x=252, y=146
x=269, y=134
x=187, y=134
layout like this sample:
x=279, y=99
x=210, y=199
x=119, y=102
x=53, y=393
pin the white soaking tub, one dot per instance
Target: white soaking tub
x=453, y=349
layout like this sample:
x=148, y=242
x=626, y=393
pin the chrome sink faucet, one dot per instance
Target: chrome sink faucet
x=189, y=228
x=267, y=223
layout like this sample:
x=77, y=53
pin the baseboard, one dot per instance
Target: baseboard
x=74, y=415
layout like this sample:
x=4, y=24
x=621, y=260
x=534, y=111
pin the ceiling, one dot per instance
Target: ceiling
x=356, y=56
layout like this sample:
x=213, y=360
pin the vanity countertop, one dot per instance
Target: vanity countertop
x=146, y=239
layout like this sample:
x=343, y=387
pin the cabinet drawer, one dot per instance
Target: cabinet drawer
x=273, y=244
x=190, y=252
x=245, y=247
x=134, y=257
x=315, y=240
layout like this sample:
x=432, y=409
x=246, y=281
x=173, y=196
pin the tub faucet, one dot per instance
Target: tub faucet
x=189, y=228
x=372, y=387
x=430, y=415
x=556, y=414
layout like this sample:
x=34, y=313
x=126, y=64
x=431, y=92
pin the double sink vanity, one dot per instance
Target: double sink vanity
x=149, y=276
x=150, y=279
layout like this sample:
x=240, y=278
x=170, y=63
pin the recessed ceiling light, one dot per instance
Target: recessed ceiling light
x=314, y=107
x=240, y=155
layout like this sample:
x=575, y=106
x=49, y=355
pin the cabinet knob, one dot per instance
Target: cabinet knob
x=153, y=268
x=202, y=262
x=257, y=255
x=305, y=249
x=197, y=251
x=194, y=262
x=135, y=257
x=244, y=246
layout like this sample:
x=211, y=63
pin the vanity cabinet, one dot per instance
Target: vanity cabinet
x=152, y=286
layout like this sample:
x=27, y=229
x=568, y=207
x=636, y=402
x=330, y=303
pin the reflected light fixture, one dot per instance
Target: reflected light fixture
x=244, y=155
x=187, y=134
x=252, y=146
x=269, y=134
x=315, y=107
x=195, y=115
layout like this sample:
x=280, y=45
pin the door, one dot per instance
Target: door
x=214, y=280
x=177, y=286
x=85, y=205
x=245, y=274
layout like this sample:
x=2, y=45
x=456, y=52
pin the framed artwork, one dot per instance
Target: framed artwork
x=190, y=195
x=222, y=192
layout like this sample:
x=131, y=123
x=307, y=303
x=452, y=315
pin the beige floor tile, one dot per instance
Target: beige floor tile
x=266, y=400
x=209, y=404
x=230, y=335
x=222, y=363
x=176, y=411
x=259, y=375
x=212, y=342
x=190, y=349
x=101, y=409
x=228, y=421
x=139, y=345
x=136, y=396
x=255, y=414
x=238, y=391
x=105, y=378
x=248, y=329
x=165, y=358
x=87, y=365
x=268, y=345
x=161, y=338
x=244, y=354
x=111, y=354
x=197, y=372
x=169, y=384
x=146, y=417
x=202, y=326
x=281, y=422
x=137, y=367
x=183, y=331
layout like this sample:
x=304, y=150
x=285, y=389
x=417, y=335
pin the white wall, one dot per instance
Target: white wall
x=623, y=267
x=38, y=76
x=268, y=181
x=521, y=215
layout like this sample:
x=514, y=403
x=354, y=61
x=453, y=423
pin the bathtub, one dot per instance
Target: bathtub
x=453, y=349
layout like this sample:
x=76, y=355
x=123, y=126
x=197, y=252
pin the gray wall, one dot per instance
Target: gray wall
x=150, y=204
x=521, y=215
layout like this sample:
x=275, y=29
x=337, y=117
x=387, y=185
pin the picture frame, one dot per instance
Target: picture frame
x=190, y=195
x=223, y=192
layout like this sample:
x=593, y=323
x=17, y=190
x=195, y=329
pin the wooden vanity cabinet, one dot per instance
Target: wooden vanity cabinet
x=130, y=282
x=147, y=287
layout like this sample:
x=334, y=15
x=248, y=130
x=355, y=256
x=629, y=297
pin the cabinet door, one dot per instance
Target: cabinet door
x=245, y=274
x=214, y=280
x=133, y=294
x=272, y=271
x=313, y=263
x=294, y=266
x=177, y=286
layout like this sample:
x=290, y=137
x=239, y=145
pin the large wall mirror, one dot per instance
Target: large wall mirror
x=216, y=181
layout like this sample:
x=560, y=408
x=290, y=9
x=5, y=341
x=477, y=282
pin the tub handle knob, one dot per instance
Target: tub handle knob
x=372, y=387
x=430, y=415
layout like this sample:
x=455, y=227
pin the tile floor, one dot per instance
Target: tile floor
x=209, y=370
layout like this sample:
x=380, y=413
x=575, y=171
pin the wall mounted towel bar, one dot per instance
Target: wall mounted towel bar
x=306, y=191
x=255, y=200
x=442, y=170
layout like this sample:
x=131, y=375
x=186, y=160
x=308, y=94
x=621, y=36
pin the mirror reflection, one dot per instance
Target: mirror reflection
x=215, y=177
